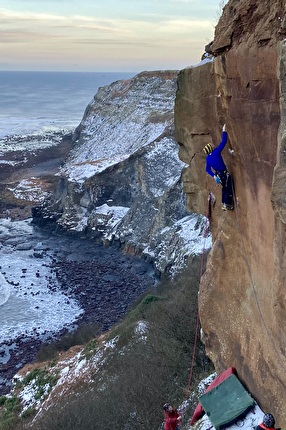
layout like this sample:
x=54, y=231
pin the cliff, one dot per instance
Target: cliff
x=121, y=182
x=241, y=82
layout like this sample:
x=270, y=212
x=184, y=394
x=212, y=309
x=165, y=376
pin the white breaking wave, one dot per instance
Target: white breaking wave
x=4, y=290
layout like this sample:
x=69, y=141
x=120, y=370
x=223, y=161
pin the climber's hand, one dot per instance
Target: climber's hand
x=224, y=128
x=217, y=179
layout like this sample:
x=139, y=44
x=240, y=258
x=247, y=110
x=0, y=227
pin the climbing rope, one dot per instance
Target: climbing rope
x=190, y=376
x=208, y=213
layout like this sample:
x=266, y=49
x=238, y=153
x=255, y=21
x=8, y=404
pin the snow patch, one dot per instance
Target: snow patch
x=4, y=290
x=186, y=237
x=29, y=190
x=204, y=61
x=141, y=328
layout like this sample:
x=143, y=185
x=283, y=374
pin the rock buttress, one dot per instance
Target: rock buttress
x=242, y=292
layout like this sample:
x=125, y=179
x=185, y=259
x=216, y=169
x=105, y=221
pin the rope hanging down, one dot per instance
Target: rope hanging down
x=206, y=229
x=210, y=204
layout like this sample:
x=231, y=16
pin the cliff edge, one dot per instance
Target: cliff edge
x=242, y=82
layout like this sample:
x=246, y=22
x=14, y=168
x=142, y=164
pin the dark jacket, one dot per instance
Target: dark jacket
x=214, y=161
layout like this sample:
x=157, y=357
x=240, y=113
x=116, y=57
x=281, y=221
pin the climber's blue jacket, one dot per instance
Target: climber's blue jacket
x=214, y=161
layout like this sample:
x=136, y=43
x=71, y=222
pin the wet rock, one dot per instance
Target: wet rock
x=24, y=246
x=104, y=282
x=38, y=254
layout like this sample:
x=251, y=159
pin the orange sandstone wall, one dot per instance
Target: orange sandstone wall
x=242, y=294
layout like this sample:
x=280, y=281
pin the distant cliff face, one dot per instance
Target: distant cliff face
x=122, y=180
x=242, y=300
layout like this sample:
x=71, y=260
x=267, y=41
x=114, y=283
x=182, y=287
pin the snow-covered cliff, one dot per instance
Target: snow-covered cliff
x=122, y=179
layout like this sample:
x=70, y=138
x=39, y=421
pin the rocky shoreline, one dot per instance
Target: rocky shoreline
x=104, y=282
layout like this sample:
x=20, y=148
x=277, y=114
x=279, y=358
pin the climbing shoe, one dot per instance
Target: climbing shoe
x=227, y=207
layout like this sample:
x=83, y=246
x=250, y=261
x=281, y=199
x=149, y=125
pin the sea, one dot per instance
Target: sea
x=33, y=305
x=40, y=101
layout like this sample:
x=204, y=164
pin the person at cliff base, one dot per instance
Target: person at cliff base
x=171, y=417
x=268, y=423
x=215, y=167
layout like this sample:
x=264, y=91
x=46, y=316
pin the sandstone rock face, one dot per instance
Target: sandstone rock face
x=242, y=294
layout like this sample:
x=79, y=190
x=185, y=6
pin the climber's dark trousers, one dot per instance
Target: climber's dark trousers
x=227, y=187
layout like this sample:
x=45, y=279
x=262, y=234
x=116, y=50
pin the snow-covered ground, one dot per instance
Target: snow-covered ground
x=45, y=137
x=123, y=117
x=172, y=246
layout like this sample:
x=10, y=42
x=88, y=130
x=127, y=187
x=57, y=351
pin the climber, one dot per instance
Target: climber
x=216, y=168
x=268, y=423
x=171, y=417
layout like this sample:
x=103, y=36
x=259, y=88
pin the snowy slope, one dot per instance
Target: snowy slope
x=122, y=118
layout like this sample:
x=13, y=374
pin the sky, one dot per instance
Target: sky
x=105, y=35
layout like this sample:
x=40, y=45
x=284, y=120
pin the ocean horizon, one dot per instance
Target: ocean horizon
x=36, y=102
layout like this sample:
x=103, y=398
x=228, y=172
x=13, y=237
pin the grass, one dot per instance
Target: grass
x=89, y=349
x=10, y=407
x=9, y=412
x=137, y=377
x=142, y=373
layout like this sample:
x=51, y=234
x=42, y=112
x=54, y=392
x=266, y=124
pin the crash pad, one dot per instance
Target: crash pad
x=199, y=411
x=227, y=402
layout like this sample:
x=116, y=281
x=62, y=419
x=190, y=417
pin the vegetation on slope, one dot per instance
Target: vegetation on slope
x=145, y=370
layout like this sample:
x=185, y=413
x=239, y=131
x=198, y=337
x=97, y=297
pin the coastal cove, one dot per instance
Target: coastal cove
x=55, y=284
x=51, y=283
